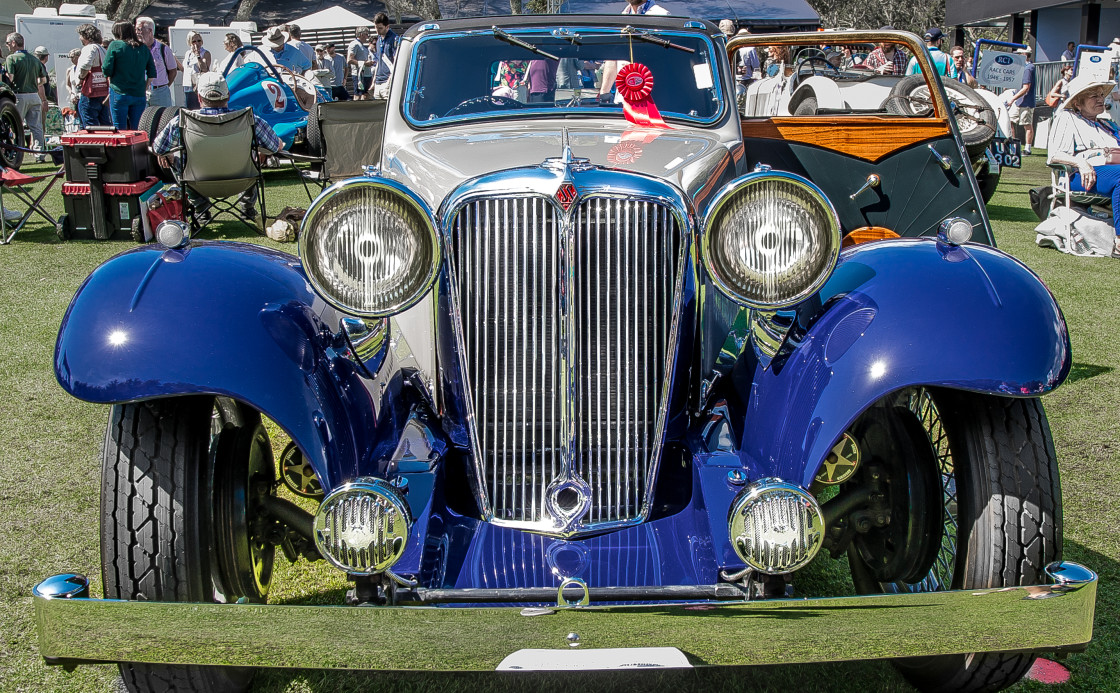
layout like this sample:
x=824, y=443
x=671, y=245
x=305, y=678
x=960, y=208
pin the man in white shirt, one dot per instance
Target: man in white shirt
x=294, y=33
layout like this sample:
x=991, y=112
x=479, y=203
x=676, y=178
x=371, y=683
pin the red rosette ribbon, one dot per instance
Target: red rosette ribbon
x=634, y=84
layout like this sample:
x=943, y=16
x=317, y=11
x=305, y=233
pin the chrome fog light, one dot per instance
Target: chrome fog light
x=362, y=527
x=775, y=527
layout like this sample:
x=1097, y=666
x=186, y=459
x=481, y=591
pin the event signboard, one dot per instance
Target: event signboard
x=999, y=70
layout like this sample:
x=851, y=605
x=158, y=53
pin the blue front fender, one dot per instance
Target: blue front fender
x=898, y=314
x=226, y=319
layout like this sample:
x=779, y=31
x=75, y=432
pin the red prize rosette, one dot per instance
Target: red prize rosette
x=635, y=83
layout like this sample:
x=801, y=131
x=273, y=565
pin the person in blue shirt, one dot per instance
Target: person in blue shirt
x=1024, y=99
x=283, y=53
x=940, y=61
x=384, y=54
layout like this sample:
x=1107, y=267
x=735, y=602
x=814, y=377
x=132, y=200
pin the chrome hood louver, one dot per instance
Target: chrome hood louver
x=565, y=282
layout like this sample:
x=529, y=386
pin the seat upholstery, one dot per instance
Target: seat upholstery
x=345, y=128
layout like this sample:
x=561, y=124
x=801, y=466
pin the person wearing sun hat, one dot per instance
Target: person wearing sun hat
x=213, y=94
x=283, y=53
x=1080, y=138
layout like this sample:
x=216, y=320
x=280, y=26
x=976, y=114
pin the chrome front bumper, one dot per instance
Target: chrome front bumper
x=1033, y=618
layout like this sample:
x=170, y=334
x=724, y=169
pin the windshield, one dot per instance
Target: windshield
x=493, y=73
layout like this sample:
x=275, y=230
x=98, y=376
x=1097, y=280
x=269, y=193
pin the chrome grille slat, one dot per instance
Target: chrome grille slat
x=512, y=255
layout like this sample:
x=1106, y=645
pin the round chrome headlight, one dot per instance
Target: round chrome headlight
x=775, y=527
x=771, y=239
x=369, y=247
x=362, y=527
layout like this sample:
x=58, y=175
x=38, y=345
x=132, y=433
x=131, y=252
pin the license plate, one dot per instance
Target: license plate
x=1008, y=152
x=593, y=659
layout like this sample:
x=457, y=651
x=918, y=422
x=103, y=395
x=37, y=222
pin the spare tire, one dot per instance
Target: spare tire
x=315, y=144
x=975, y=118
x=171, y=113
x=149, y=121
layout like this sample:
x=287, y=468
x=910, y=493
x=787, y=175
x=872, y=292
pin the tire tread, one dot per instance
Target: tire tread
x=1014, y=451
x=149, y=453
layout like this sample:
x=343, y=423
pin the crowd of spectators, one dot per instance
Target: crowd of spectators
x=111, y=80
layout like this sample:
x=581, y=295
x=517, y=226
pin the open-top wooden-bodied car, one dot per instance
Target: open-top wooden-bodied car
x=576, y=364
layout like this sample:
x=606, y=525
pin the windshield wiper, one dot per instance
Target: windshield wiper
x=514, y=41
x=649, y=38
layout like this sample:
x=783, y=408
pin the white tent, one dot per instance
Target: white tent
x=8, y=11
x=334, y=17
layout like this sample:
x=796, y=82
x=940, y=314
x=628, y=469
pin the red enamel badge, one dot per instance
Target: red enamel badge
x=566, y=195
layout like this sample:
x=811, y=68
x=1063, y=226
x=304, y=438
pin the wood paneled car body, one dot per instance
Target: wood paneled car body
x=556, y=375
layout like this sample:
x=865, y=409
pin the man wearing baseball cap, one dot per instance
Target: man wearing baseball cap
x=213, y=94
x=941, y=62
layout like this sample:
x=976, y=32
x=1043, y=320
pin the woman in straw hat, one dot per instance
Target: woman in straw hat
x=1079, y=138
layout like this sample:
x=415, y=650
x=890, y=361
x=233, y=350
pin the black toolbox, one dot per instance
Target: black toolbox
x=121, y=156
x=121, y=206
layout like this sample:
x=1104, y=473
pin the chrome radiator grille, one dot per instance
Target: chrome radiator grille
x=527, y=279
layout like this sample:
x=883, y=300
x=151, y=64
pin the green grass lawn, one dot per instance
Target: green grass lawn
x=49, y=461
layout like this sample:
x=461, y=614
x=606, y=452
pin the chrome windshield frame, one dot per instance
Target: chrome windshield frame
x=414, y=69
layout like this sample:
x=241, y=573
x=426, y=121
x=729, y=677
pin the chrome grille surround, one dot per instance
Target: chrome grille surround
x=544, y=485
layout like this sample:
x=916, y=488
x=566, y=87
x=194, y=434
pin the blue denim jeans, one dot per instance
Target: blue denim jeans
x=1107, y=183
x=160, y=96
x=126, y=110
x=93, y=111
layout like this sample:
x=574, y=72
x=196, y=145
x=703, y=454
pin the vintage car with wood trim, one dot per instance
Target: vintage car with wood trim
x=591, y=369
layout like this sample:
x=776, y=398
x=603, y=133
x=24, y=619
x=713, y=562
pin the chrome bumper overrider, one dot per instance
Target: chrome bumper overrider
x=1041, y=618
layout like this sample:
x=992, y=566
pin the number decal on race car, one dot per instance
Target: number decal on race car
x=275, y=94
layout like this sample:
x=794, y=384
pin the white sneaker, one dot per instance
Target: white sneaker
x=12, y=215
x=1027, y=150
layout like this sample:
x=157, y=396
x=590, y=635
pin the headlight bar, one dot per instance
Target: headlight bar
x=770, y=239
x=370, y=247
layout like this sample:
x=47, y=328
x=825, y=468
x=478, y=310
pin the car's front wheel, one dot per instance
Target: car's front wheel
x=182, y=483
x=972, y=485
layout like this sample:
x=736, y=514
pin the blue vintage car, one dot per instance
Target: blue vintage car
x=612, y=367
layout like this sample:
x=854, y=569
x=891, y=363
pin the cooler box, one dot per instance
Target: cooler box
x=122, y=205
x=122, y=156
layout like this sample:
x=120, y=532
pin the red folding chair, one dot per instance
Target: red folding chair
x=16, y=183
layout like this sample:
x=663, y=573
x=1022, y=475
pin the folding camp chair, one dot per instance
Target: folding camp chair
x=1059, y=182
x=218, y=161
x=349, y=136
x=343, y=137
x=15, y=183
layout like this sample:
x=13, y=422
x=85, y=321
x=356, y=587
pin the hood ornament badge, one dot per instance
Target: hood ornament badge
x=566, y=194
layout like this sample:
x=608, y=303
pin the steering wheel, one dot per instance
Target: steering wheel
x=484, y=103
x=302, y=87
x=810, y=63
x=812, y=60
